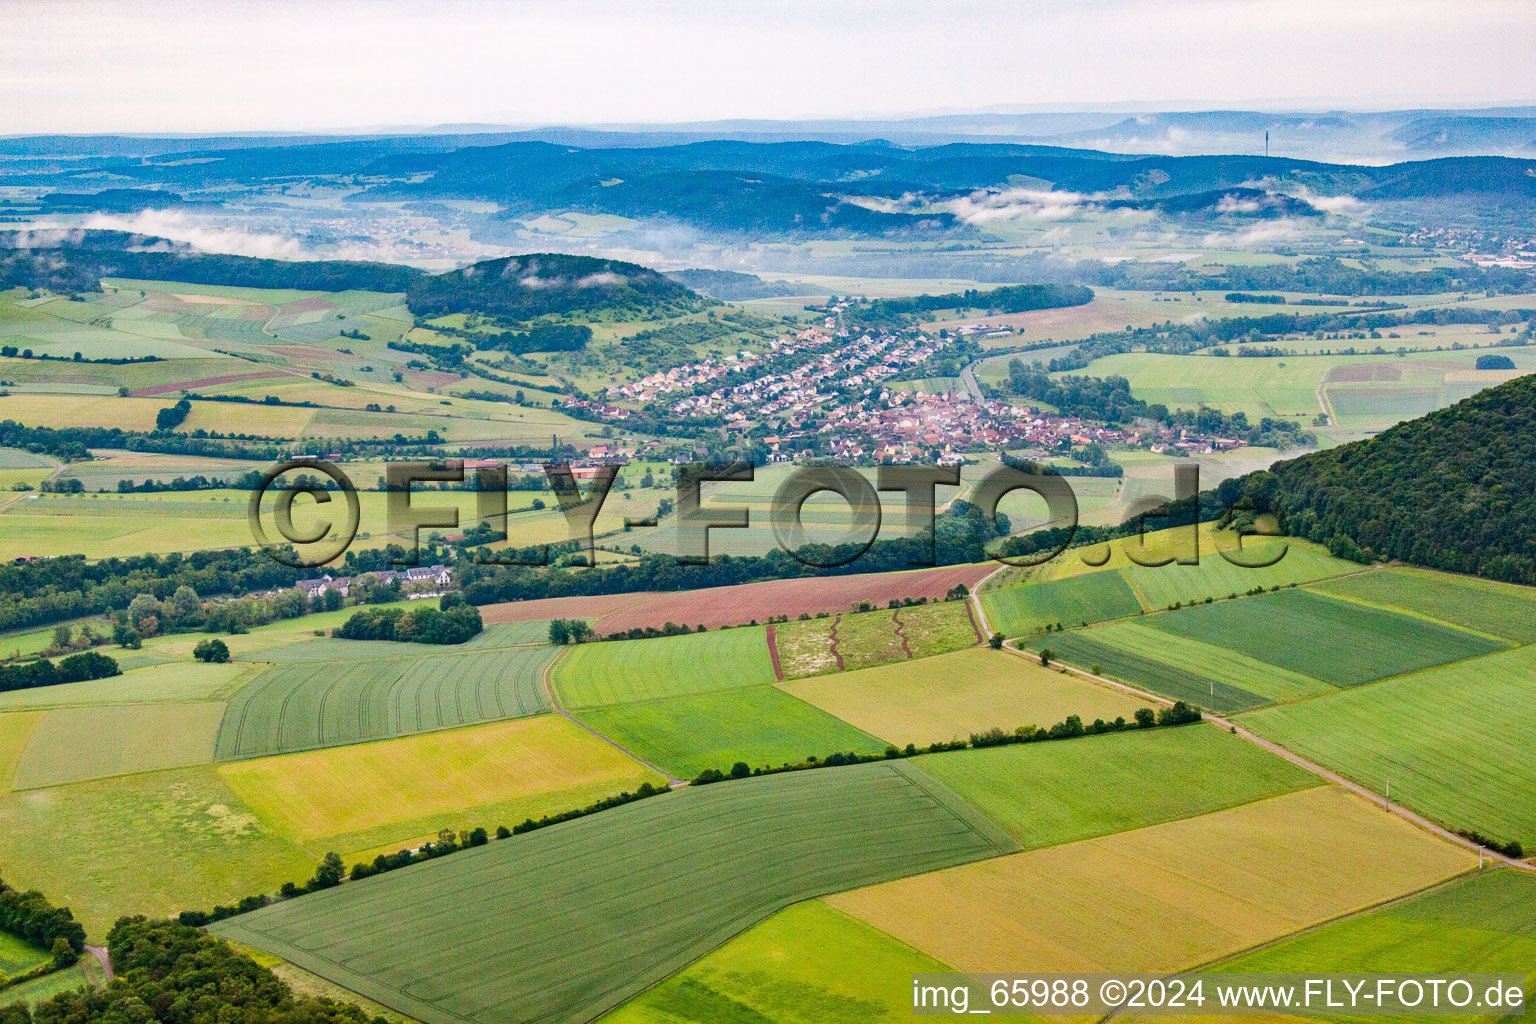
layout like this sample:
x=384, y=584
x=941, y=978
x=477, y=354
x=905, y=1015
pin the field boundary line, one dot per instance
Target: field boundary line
x=1411, y=817
x=1406, y=612
x=1350, y=915
x=975, y=600
x=549, y=691
x=901, y=632
x=773, y=653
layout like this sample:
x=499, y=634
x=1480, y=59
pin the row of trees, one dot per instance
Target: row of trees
x=1069, y=728
x=74, y=669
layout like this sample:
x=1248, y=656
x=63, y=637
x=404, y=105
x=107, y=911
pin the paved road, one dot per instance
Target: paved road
x=1301, y=762
x=968, y=381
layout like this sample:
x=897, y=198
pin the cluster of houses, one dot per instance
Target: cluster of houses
x=861, y=363
x=417, y=581
x=910, y=427
x=693, y=376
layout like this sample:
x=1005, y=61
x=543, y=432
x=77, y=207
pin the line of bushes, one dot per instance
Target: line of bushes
x=1180, y=714
x=74, y=669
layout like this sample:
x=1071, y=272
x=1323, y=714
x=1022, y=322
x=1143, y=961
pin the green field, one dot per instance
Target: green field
x=1215, y=577
x=1481, y=924
x=868, y=639
x=1088, y=597
x=83, y=743
x=15, y=458
x=623, y=671
x=1037, y=791
x=950, y=696
x=1082, y=648
x=808, y=963
x=306, y=705
x=1454, y=742
x=154, y=843
x=564, y=923
x=760, y=725
x=17, y=955
x=1488, y=607
x=937, y=628
x=175, y=683
x=1174, y=653
x=1339, y=642
x=86, y=973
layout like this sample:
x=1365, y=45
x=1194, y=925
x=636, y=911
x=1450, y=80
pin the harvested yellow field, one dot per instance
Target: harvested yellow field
x=82, y=411
x=1168, y=897
x=376, y=794
x=953, y=695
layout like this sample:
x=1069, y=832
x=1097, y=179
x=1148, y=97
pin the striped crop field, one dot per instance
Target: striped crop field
x=307, y=705
x=1088, y=597
x=624, y=671
x=1452, y=742
x=1339, y=642
x=562, y=924
x=1500, y=609
x=1084, y=649
x=1169, y=654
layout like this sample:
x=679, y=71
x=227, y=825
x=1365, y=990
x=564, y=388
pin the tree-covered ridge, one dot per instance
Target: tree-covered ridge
x=537, y=284
x=77, y=261
x=732, y=286
x=1019, y=298
x=1455, y=490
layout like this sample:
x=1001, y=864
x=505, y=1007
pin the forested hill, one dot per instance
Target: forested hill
x=522, y=287
x=1455, y=490
x=76, y=261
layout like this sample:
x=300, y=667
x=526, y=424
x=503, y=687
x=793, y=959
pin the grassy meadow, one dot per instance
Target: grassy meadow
x=154, y=843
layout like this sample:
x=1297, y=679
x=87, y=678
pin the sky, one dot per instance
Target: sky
x=277, y=65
